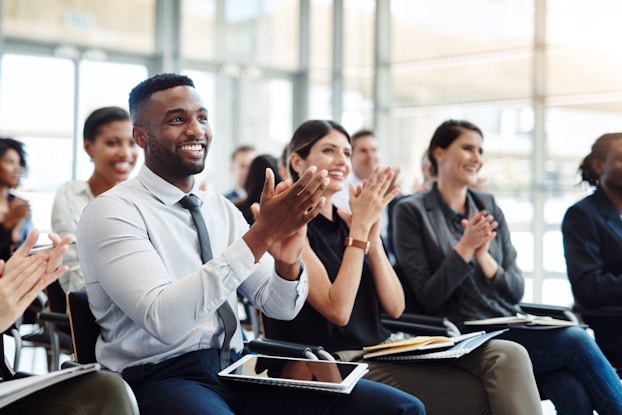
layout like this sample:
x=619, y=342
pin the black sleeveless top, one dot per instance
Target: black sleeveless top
x=310, y=327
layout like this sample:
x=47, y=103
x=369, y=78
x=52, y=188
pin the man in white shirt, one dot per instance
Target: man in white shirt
x=364, y=160
x=155, y=299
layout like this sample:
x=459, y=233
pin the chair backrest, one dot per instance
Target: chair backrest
x=57, y=303
x=84, y=328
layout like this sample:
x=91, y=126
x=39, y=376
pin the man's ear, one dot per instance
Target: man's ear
x=140, y=136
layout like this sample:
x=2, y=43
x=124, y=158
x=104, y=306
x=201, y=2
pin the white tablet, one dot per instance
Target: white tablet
x=321, y=375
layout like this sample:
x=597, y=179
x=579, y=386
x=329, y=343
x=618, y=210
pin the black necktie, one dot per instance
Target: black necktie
x=225, y=312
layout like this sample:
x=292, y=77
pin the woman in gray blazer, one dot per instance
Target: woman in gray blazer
x=454, y=249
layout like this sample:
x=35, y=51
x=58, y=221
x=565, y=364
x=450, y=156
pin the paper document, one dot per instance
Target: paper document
x=417, y=344
x=12, y=390
x=526, y=319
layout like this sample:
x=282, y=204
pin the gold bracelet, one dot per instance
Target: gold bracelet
x=364, y=245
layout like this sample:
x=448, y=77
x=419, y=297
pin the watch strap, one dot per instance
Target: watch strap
x=364, y=245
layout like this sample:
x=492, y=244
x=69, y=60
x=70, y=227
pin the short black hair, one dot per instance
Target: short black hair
x=143, y=91
x=600, y=150
x=100, y=117
x=9, y=143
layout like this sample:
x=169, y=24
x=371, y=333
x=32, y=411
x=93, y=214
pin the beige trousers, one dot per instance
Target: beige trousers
x=497, y=378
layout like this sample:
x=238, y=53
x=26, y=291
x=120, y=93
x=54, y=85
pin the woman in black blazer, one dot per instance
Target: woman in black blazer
x=592, y=230
x=453, y=245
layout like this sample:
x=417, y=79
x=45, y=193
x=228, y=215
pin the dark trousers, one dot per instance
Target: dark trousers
x=571, y=370
x=189, y=384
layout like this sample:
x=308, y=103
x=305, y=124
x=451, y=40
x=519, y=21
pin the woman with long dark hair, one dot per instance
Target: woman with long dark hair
x=351, y=282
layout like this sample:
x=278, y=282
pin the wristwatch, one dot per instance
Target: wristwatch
x=364, y=245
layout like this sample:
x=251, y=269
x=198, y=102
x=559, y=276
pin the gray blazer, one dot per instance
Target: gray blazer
x=439, y=279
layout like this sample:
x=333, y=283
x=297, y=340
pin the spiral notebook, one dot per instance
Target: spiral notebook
x=444, y=350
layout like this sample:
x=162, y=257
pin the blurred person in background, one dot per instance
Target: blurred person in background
x=109, y=143
x=283, y=163
x=254, y=183
x=15, y=219
x=364, y=160
x=241, y=159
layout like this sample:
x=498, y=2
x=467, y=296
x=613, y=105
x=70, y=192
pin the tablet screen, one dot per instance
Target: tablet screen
x=303, y=371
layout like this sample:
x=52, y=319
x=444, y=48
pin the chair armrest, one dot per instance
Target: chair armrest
x=68, y=364
x=608, y=311
x=415, y=329
x=422, y=325
x=560, y=312
x=52, y=317
x=289, y=349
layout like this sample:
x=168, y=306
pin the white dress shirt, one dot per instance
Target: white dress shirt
x=341, y=199
x=147, y=287
x=69, y=202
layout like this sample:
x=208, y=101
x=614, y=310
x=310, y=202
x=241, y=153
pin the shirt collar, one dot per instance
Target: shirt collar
x=163, y=190
x=454, y=218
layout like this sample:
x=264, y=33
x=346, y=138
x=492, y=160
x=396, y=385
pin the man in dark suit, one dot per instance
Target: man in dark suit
x=592, y=230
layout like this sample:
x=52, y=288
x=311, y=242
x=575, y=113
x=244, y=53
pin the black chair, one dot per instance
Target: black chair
x=276, y=339
x=559, y=312
x=40, y=334
x=57, y=323
x=421, y=325
x=84, y=328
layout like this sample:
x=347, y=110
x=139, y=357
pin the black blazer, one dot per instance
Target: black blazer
x=592, y=233
x=438, y=277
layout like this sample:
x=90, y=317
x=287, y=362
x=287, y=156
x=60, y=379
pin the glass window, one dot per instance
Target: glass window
x=490, y=78
x=427, y=29
x=358, y=100
x=557, y=292
x=198, y=29
x=266, y=115
x=321, y=35
x=115, y=24
x=36, y=107
x=258, y=32
x=37, y=95
x=358, y=70
x=320, y=95
x=358, y=33
x=588, y=60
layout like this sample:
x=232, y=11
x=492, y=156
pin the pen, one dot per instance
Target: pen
x=42, y=248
